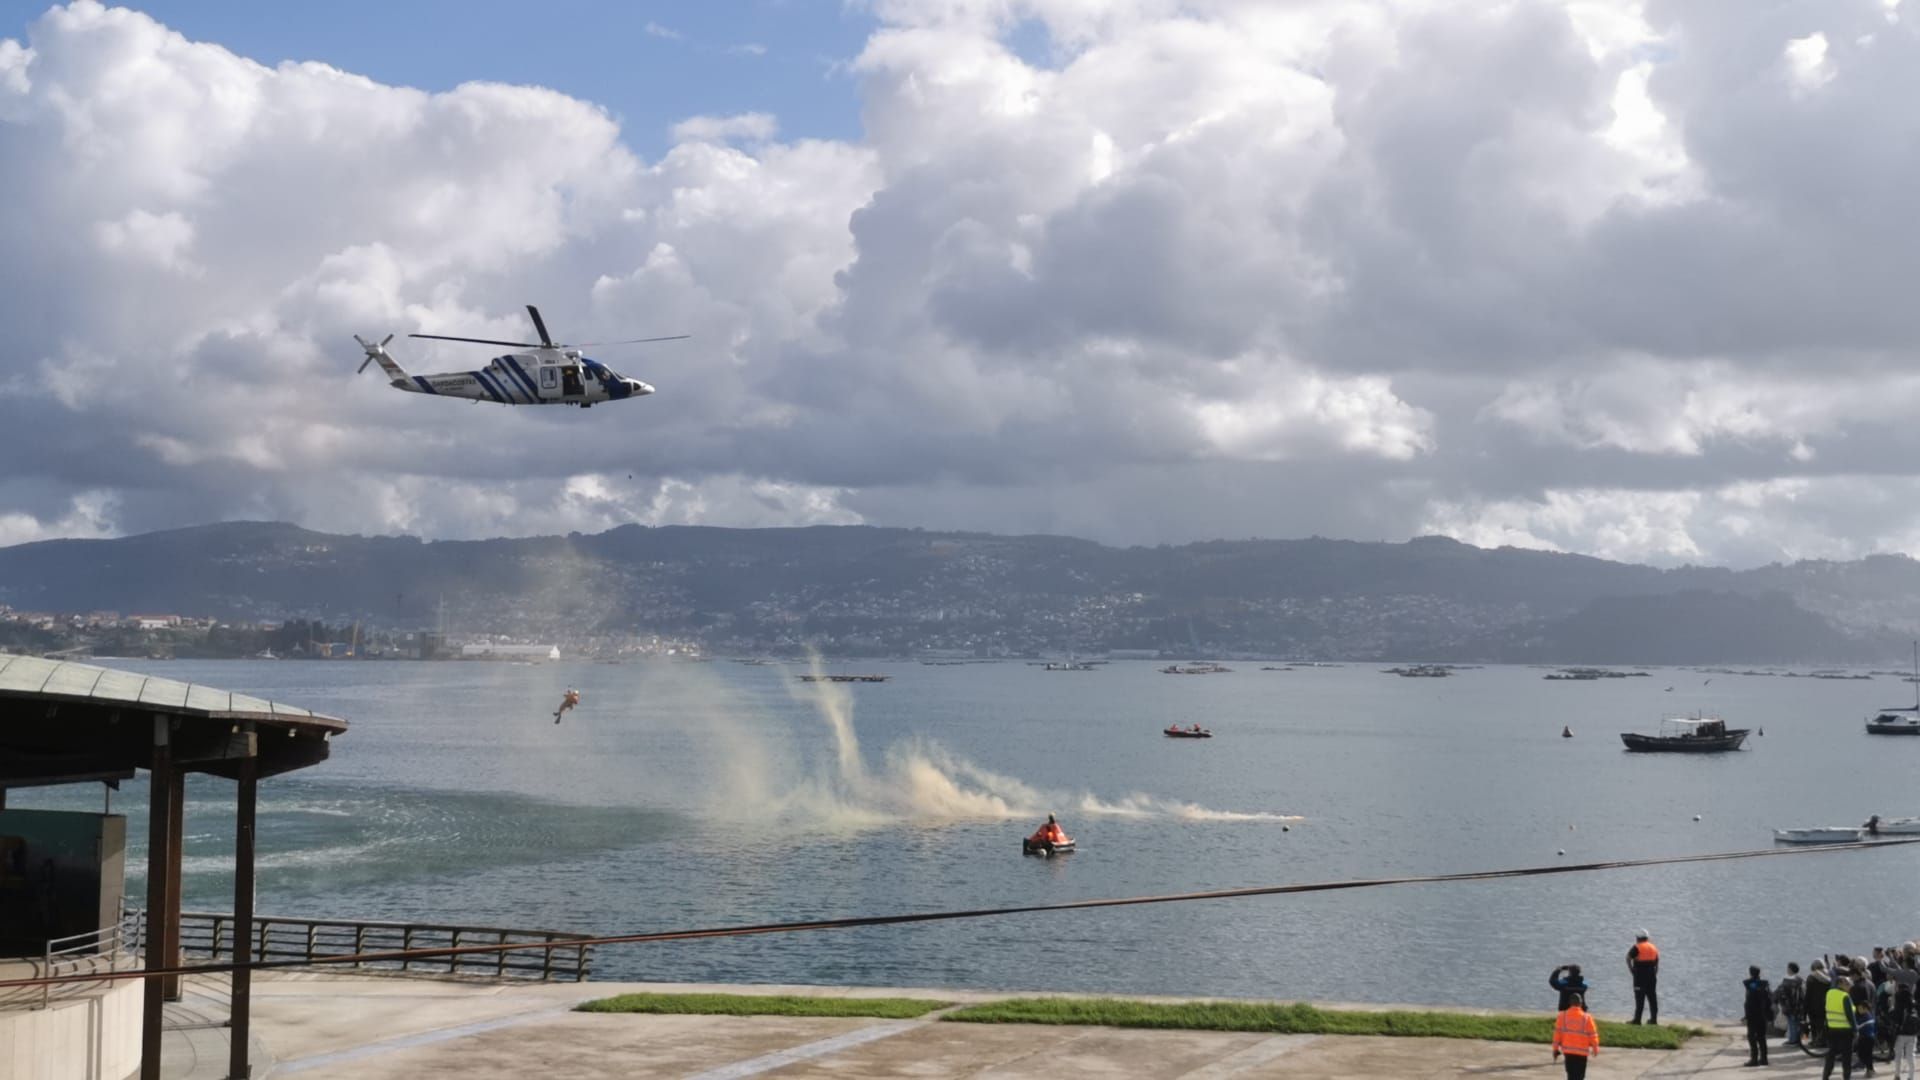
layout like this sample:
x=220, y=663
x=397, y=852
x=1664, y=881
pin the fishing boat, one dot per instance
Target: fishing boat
x=1194, y=732
x=1687, y=735
x=1899, y=719
x=1825, y=834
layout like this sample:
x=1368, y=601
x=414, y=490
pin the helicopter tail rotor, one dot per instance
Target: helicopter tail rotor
x=372, y=350
x=377, y=353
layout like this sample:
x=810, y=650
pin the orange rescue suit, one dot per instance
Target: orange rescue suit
x=1576, y=1035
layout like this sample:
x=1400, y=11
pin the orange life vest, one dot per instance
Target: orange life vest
x=1575, y=1034
x=1646, y=952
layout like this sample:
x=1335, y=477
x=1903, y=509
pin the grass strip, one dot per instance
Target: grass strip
x=762, y=1005
x=1302, y=1019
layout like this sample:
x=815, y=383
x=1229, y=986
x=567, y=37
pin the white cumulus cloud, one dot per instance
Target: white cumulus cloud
x=1615, y=277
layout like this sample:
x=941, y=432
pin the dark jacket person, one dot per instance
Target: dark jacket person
x=1567, y=979
x=1759, y=1012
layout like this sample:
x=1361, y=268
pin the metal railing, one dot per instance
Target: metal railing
x=110, y=948
x=556, y=955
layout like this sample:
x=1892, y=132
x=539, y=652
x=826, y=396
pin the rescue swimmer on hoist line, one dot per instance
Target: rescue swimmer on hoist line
x=567, y=701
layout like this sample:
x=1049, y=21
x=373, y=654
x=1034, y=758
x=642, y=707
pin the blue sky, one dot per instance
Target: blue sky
x=598, y=51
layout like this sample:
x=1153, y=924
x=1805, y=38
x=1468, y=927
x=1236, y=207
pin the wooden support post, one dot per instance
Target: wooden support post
x=160, y=776
x=240, y=1015
x=176, y=844
x=453, y=960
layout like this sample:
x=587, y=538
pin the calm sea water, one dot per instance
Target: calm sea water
x=693, y=795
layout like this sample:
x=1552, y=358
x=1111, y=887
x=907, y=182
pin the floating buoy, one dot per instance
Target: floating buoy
x=1562, y=851
x=1570, y=828
x=1763, y=731
x=1286, y=828
x=1566, y=732
x=1696, y=817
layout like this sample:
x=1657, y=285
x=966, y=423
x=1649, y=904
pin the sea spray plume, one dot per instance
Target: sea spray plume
x=834, y=704
x=748, y=763
x=920, y=781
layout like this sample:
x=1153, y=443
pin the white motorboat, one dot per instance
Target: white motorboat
x=1892, y=826
x=1827, y=834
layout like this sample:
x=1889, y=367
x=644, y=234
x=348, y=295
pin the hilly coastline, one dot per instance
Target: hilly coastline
x=859, y=590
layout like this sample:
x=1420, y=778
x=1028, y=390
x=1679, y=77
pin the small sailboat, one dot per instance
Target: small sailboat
x=1900, y=719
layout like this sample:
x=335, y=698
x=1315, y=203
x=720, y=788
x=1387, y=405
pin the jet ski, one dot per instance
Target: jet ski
x=1194, y=732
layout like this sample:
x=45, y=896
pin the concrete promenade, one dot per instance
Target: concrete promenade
x=326, y=1027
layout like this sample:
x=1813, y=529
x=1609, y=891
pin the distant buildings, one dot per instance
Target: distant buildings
x=488, y=651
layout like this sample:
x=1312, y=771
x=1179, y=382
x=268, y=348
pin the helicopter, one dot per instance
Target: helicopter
x=552, y=374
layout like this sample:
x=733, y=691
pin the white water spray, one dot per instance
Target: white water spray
x=919, y=782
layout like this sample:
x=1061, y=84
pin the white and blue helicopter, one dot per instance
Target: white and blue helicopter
x=549, y=375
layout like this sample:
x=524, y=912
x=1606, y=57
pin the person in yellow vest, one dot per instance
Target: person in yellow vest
x=1643, y=963
x=1840, y=1024
x=1576, y=1037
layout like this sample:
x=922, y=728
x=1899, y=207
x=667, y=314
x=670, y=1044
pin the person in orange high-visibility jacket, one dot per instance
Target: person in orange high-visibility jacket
x=1576, y=1037
x=1643, y=963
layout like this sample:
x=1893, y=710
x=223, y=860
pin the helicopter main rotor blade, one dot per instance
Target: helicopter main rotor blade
x=632, y=341
x=540, y=325
x=483, y=341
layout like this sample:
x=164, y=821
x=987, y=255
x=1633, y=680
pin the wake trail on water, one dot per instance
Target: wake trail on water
x=917, y=781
